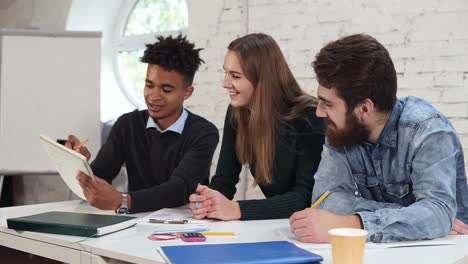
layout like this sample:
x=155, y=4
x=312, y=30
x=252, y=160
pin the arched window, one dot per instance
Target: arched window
x=139, y=23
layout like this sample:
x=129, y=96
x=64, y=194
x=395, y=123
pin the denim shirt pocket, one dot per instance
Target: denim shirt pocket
x=367, y=185
x=399, y=193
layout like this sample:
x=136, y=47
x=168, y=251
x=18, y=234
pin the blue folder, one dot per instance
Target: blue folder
x=245, y=253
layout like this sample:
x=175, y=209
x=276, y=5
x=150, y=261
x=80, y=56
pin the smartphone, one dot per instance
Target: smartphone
x=193, y=237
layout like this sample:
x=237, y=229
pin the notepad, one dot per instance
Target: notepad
x=71, y=223
x=67, y=162
x=245, y=253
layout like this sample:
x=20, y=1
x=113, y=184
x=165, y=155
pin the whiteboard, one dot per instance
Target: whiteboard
x=49, y=84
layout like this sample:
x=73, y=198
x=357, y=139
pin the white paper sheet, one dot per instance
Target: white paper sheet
x=288, y=235
x=181, y=213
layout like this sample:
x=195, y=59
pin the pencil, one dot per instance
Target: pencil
x=218, y=233
x=320, y=199
x=82, y=144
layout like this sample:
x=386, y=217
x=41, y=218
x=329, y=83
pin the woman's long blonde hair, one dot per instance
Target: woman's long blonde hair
x=277, y=99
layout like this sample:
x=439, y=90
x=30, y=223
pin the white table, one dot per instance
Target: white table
x=132, y=245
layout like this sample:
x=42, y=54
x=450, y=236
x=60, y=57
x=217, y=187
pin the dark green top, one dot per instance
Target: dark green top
x=297, y=155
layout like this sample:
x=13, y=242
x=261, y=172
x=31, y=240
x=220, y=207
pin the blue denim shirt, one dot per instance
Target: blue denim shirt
x=409, y=186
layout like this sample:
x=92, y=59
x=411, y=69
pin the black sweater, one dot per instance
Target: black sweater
x=163, y=168
x=297, y=155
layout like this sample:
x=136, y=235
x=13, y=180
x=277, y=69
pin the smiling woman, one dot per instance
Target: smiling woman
x=270, y=126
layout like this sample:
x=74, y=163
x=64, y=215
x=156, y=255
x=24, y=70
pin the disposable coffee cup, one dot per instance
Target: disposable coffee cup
x=348, y=245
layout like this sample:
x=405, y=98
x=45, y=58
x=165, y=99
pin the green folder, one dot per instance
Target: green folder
x=74, y=224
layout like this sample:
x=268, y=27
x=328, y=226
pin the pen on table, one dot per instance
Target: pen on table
x=219, y=233
x=82, y=144
x=168, y=221
x=320, y=199
x=197, y=204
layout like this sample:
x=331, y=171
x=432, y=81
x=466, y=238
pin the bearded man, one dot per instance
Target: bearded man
x=393, y=167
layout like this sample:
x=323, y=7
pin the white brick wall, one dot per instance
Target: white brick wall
x=213, y=25
x=427, y=39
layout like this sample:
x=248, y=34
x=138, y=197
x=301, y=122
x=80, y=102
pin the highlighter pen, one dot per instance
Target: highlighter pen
x=320, y=199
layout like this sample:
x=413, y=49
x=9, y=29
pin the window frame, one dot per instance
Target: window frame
x=132, y=43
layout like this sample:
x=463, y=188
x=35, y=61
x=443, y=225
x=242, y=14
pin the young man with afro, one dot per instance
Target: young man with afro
x=167, y=150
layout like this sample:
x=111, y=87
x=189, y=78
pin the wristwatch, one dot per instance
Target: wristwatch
x=123, y=209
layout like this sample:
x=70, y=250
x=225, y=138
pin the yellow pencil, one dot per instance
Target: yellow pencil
x=319, y=200
x=218, y=233
x=82, y=143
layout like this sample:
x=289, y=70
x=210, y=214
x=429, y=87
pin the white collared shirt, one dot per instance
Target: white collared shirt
x=177, y=126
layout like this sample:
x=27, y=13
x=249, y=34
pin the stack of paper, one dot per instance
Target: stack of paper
x=170, y=217
x=173, y=215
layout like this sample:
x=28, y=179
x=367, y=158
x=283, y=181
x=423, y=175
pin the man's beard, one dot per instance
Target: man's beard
x=352, y=134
